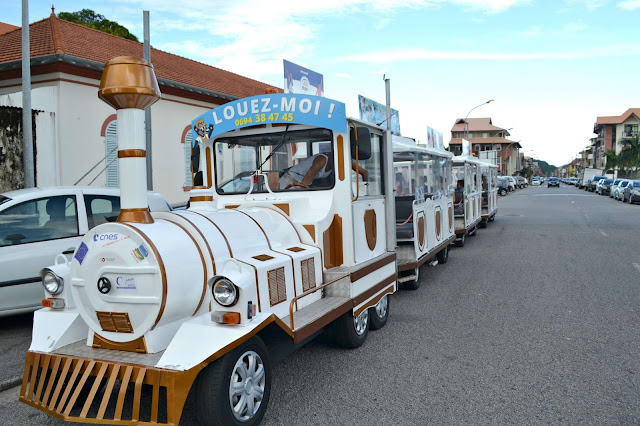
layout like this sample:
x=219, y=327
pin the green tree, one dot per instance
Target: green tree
x=89, y=18
x=613, y=161
x=629, y=156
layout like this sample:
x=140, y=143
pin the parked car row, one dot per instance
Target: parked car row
x=508, y=184
x=620, y=189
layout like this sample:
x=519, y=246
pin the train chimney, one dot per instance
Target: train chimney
x=129, y=85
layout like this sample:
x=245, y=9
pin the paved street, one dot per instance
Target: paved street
x=535, y=321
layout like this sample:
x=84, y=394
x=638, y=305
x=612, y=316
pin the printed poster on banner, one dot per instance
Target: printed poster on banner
x=280, y=108
x=434, y=138
x=302, y=80
x=376, y=113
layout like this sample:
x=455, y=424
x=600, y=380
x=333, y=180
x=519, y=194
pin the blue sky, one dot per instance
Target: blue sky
x=551, y=66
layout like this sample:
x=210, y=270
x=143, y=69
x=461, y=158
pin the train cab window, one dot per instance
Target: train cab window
x=301, y=160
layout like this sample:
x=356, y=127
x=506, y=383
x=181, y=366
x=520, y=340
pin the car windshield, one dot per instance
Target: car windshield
x=553, y=179
x=4, y=199
x=636, y=184
x=607, y=181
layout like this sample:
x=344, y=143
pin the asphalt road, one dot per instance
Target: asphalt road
x=535, y=321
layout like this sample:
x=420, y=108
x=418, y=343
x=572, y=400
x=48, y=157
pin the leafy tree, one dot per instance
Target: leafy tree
x=629, y=156
x=89, y=18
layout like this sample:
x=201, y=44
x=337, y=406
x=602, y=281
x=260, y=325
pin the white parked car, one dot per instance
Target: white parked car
x=511, y=181
x=37, y=224
x=536, y=182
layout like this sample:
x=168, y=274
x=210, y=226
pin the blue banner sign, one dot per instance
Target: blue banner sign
x=302, y=80
x=271, y=109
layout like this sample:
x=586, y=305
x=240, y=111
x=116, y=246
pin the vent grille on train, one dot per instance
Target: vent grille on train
x=115, y=322
x=308, y=274
x=277, y=286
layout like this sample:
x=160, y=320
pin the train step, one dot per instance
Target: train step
x=317, y=311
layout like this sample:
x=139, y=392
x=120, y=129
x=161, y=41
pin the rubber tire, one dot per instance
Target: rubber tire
x=212, y=387
x=413, y=285
x=503, y=192
x=443, y=255
x=376, y=322
x=483, y=223
x=460, y=242
x=474, y=231
x=345, y=333
x=492, y=218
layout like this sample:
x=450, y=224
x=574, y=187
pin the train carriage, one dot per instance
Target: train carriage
x=489, y=175
x=424, y=207
x=467, y=195
x=287, y=235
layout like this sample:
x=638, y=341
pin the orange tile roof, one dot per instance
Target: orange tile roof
x=52, y=35
x=5, y=28
x=476, y=141
x=475, y=125
x=619, y=119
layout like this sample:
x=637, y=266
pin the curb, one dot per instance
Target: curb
x=10, y=383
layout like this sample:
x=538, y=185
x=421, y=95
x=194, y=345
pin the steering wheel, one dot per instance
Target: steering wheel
x=298, y=184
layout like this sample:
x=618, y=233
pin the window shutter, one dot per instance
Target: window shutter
x=111, y=160
x=187, y=159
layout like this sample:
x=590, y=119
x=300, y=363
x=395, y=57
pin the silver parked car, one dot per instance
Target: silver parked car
x=632, y=192
x=613, y=187
x=37, y=224
x=617, y=191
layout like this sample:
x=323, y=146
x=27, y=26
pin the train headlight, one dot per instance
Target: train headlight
x=225, y=292
x=51, y=282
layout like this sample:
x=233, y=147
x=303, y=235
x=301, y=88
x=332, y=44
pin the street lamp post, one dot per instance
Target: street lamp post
x=466, y=125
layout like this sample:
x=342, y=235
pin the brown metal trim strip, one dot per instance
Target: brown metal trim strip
x=107, y=393
x=155, y=396
x=362, y=297
x=374, y=301
x=257, y=286
x=43, y=376
x=206, y=242
x=363, y=272
x=278, y=210
x=204, y=264
x=219, y=230
x=70, y=385
x=92, y=393
x=137, y=215
x=309, y=329
x=34, y=373
x=63, y=375
x=135, y=415
x=163, y=271
x=54, y=372
x=201, y=198
x=341, y=158
x=132, y=153
x=123, y=392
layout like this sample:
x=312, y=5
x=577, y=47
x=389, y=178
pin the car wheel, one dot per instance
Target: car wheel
x=503, y=192
x=235, y=389
x=379, y=314
x=351, y=332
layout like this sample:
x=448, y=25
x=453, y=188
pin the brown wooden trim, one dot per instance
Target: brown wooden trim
x=232, y=206
x=132, y=153
x=371, y=228
x=184, y=133
x=333, y=243
x=201, y=198
x=219, y=230
x=284, y=207
x=138, y=345
x=137, y=215
x=371, y=303
x=209, y=168
x=341, y=167
x=204, y=264
x=163, y=271
x=363, y=272
x=103, y=130
x=362, y=297
x=311, y=229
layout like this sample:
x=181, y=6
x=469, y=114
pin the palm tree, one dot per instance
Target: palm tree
x=629, y=156
x=613, y=161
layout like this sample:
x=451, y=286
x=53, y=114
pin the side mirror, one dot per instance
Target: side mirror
x=360, y=137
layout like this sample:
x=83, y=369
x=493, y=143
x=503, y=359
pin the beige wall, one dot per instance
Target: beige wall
x=73, y=143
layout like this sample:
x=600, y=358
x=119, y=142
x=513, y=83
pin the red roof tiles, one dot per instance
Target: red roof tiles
x=475, y=125
x=619, y=119
x=52, y=35
x=5, y=28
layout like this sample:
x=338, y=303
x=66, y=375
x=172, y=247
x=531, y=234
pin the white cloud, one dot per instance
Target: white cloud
x=379, y=57
x=629, y=4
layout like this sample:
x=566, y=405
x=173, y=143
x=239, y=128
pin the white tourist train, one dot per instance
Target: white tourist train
x=292, y=231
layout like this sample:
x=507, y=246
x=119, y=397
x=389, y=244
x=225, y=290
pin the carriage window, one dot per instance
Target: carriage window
x=373, y=166
x=289, y=161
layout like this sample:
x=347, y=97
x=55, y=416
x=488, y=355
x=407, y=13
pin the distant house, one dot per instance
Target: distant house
x=67, y=60
x=611, y=130
x=487, y=142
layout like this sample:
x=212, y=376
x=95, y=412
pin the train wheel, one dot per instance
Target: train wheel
x=460, y=242
x=379, y=314
x=483, y=223
x=414, y=284
x=443, y=255
x=350, y=331
x=492, y=218
x=235, y=389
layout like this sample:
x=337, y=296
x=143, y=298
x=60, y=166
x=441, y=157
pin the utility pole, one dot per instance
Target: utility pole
x=389, y=182
x=27, y=119
x=147, y=111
